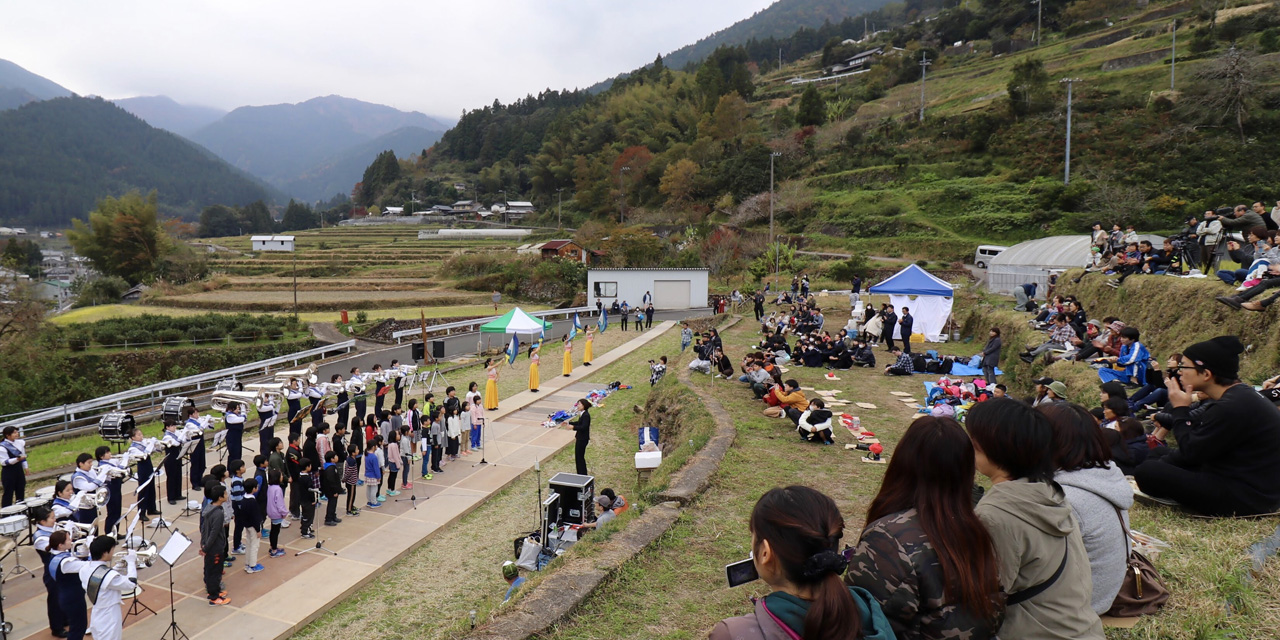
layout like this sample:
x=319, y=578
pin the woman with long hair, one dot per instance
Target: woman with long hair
x=534, y=359
x=566, y=367
x=924, y=554
x=1044, y=567
x=491, y=385
x=795, y=538
x=1099, y=495
x=582, y=435
x=587, y=354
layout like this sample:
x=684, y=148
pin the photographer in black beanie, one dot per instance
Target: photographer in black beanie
x=1228, y=457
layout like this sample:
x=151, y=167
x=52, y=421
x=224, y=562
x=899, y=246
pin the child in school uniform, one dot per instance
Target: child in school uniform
x=307, y=498
x=350, y=476
x=249, y=518
x=277, y=511
x=260, y=476
x=464, y=437
x=236, y=469
x=406, y=435
x=330, y=487
x=372, y=475
x=453, y=429
x=393, y=462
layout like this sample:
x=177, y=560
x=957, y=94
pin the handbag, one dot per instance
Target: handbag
x=1142, y=593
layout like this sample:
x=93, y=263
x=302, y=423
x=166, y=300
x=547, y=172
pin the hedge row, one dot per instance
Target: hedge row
x=160, y=329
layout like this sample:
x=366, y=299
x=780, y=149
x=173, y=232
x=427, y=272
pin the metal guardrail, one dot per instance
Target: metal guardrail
x=474, y=325
x=61, y=419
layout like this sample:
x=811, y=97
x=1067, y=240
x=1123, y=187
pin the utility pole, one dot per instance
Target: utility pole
x=1039, y=10
x=777, y=254
x=505, y=218
x=1066, y=176
x=622, y=185
x=924, y=66
x=779, y=58
x=1173, y=61
x=559, y=201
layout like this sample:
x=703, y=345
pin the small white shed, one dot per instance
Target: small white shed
x=272, y=243
x=670, y=288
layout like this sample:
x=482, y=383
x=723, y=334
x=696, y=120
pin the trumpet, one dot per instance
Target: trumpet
x=147, y=553
x=307, y=374
x=223, y=398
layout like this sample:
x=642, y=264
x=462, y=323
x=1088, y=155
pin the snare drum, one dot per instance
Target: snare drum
x=34, y=503
x=13, y=526
x=45, y=492
x=15, y=509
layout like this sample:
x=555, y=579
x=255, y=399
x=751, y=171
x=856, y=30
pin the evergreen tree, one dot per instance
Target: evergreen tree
x=123, y=237
x=219, y=221
x=299, y=216
x=813, y=109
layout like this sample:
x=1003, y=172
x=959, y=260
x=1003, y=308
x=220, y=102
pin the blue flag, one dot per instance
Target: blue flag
x=573, y=333
x=604, y=320
x=577, y=324
x=513, y=349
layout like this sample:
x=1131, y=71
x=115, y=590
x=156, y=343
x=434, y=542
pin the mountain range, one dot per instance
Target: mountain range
x=19, y=86
x=164, y=112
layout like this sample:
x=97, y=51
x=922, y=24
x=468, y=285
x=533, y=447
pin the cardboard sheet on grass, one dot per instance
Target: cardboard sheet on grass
x=928, y=297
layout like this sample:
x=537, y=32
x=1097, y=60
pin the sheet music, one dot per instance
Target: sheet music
x=174, y=548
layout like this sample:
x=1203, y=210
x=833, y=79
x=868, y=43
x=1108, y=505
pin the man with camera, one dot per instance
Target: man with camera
x=1228, y=458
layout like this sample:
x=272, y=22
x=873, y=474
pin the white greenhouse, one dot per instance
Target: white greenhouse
x=1035, y=260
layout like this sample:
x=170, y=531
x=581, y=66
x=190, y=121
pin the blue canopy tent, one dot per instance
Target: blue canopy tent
x=928, y=297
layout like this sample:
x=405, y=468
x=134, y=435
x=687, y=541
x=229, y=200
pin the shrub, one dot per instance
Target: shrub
x=246, y=332
x=169, y=336
x=138, y=336
x=362, y=316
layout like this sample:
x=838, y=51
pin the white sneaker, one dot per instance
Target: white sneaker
x=284, y=524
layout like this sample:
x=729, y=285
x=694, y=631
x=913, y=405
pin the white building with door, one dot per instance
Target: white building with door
x=670, y=288
x=272, y=243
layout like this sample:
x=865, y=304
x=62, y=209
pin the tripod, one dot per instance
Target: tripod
x=319, y=548
x=435, y=376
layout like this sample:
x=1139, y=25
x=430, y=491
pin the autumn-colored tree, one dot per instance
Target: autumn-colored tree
x=123, y=237
x=678, y=180
x=730, y=118
x=636, y=159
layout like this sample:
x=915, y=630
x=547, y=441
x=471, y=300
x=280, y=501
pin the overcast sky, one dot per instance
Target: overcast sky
x=432, y=56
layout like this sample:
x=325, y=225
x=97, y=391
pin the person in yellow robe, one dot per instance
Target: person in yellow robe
x=567, y=368
x=586, y=349
x=491, y=387
x=533, y=368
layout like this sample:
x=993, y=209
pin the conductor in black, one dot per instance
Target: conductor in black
x=582, y=433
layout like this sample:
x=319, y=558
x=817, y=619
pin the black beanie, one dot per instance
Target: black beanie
x=1221, y=355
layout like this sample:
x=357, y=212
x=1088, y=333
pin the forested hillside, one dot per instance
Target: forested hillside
x=856, y=168
x=58, y=157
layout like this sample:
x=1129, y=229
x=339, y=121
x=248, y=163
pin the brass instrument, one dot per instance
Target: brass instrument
x=330, y=389
x=223, y=398
x=355, y=385
x=147, y=553
x=307, y=375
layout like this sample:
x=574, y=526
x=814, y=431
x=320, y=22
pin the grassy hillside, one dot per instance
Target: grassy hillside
x=856, y=169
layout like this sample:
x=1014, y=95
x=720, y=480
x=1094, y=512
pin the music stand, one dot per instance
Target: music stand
x=138, y=606
x=157, y=472
x=170, y=553
x=188, y=447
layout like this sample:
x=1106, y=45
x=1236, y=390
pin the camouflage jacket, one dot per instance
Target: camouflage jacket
x=895, y=562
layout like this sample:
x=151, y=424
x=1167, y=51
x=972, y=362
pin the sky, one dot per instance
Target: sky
x=431, y=56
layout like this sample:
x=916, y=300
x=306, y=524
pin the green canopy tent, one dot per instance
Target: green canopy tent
x=515, y=321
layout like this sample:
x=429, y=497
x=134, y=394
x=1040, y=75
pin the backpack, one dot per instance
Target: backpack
x=944, y=366
x=918, y=363
x=933, y=366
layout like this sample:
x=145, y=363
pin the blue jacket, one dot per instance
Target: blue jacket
x=372, y=466
x=1133, y=358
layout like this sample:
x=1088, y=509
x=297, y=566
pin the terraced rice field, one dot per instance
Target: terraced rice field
x=312, y=300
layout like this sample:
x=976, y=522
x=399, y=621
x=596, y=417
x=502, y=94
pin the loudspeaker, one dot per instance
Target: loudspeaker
x=577, y=495
x=417, y=352
x=437, y=349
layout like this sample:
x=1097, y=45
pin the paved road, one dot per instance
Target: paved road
x=466, y=343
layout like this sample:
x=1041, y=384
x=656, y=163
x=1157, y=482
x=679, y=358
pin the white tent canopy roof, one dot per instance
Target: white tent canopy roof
x=1034, y=260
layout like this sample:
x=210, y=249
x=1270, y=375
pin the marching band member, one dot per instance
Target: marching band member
x=195, y=427
x=343, y=399
x=114, y=482
x=13, y=473
x=360, y=399
x=293, y=396
x=318, y=411
x=491, y=385
x=399, y=384
x=85, y=481
x=234, y=418
x=266, y=421
x=106, y=587
x=172, y=442
x=62, y=509
x=314, y=394
x=64, y=569
x=379, y=389
x=143, y=449
x=44, y=520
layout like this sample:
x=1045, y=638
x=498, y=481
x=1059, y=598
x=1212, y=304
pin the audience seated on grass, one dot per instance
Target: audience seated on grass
x=1133, y=359
x=1128, y=444
x=1060, y=337
x=1227, y=460
x=814, y=424
x=1098, y=493
x=901, y=365
x=1036, y=537
x=924, y=554
x=795, y=538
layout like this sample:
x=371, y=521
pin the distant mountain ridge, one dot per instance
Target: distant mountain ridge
x=290, y=144
x=778, y=20
x=19, y=86
x=340, y=173
x=59, y=156
x=164, y=112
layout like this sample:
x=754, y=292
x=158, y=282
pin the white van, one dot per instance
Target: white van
x=982, y=257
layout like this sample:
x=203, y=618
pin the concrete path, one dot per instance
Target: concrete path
x=294, y=590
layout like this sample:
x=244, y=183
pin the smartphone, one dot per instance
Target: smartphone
x=741, y=572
